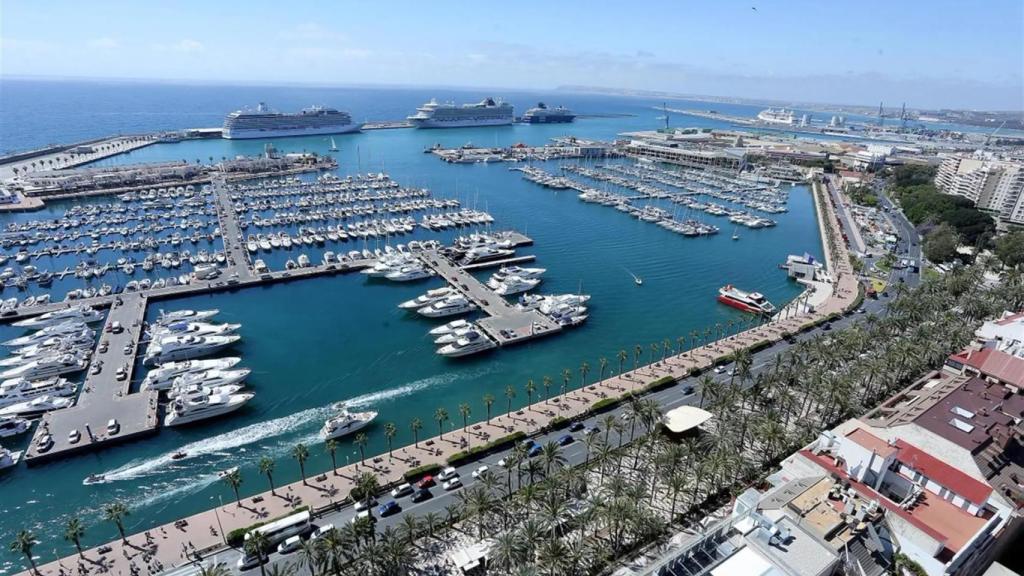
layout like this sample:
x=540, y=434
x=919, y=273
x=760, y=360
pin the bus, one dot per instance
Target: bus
x=276, y=532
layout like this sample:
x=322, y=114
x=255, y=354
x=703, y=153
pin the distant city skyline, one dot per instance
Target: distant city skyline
x=929, y=55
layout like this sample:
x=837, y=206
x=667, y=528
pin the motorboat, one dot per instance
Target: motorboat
x=454, y=335
x=20, y=390
x=541, y=301
x=185, y=316
x=31, y=353
x=184, y=347
x=471, y=343
x=9, y=459
x=54, y=365
x=84, y=339
x=94, y=479
x=69, y=328
x=196, y=406
x=448, y=307
x=13, y=426
x=516, y=285
x=84, y=314
x=435, y=295
x=450, y=327
x=193, y=328
x=507, y=271
x=211, y=378
x=168, y=371
x=181, y=389
x=485, y=253
x=409, y=273
x=345, y=423
x=37, y=406
x=753, y=302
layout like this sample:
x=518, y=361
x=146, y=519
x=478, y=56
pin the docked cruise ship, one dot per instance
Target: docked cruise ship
x=541, y=114
x=266, y=123
x=780, y=116
x=484, y=113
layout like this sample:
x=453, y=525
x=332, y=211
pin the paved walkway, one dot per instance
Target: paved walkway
x=166, y=546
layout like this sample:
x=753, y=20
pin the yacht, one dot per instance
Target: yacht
x=48, y=366
x=36, y=406
x=19, y=390
x=58, y=330
x=185, y=316
x=485, y=253
x=753, y=302
x=516, y=285
x=8, y=458
x=30, y=353
x=454, y=335
x=83, y=314
x=196, y=406
x=435, y=295
x=81, y=340
x=448, y=307
x=506, y=271
x=186, y=346
x=471, y=343
x=13, y=426
x=193, y=328
x=345, y=423
x=546, y=301
x=409, y=273
x=164, y=374
x=450, y=327
x=181, y=389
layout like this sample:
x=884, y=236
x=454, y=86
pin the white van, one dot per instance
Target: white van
x=447, y=474
x=290, y=545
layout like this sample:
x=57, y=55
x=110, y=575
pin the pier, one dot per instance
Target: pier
x=105, y=396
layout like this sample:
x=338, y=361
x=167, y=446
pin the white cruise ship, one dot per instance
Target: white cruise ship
x=781, y=116
x=487, y=112
x=266, y=123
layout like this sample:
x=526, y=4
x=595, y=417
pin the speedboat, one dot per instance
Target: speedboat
x=516, y=285
x=44, y=367
x=94, y=479
x=197, y=405
x=20, y=390
x=448, y=307
x=193, y=328
x=184, y=347
x=185, y=316
x=211, y=378
x=450, y=327
x=167, y=372
x=8, y=458
x=13, y=426
x=69, y=328
x=506, y=271
x=345, y=423
x=471, y=343
x=76, y=313
x=435, y=295
x=36, y=406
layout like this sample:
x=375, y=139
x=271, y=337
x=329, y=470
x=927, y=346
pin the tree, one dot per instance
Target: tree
x=390, y=431
x=366, y=487
x=488, y=402
x=23, y=544
x=233, y=479
x=638, y=351
x=622, y=356
x=464, y=411
x=301, y=454
x=547, y=388
x=116, y=512
x=566, y=377
x=1010, y=249
x=510, y=394
x=360, y=441
x=266, y=467
x=440, y=416
x=416, y=425
x=584, y=370
x=331, y=447
x=214, y=569
x=74, y=531
x=530, y=389
x=256, y=545
x=940, y=244
x=602, y=364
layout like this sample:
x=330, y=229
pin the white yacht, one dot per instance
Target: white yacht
x=76, y=313
x=212, y=378
x=74, y=341
x=184, y=347
x=56, y=330
x=193, y=328
x=409, y=273
x=450, y=306
x=170, y=370
x=185, y=316
x=183, y=390
x=542, y=301
x=47, y=366
x=197, y=406
x=507, y=271
x=454, y=335
x=451, y=327
x=345, y=423
x=35, y=353
x=13, y=426
x=20, y=390
x=36, y=406
x=471, y=343
x=8, y=458
x=485, y=253
x=435, y=295
x=516, y=285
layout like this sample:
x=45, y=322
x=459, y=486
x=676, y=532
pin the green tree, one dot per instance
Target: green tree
x=416, y=425
x=1010, y=249
x=488, y=402
x=530, y=389
x=465, y=411
x=23, y=544
x=234, y=480
x=440, y=416
x=331, y=447
x=510, y=394
x=301, y=454
x=360, y=441
x=74, y=531
x=390, y=431
x=116, y=512
x=940, y=244
x=266, y=467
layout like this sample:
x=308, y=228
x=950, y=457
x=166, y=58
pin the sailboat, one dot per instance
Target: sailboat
x=334, y=147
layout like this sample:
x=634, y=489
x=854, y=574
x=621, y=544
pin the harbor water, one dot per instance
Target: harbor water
x=313, y=343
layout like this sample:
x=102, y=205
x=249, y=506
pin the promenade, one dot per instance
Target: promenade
x=176, y=544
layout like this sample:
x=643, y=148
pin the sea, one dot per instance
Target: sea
x=313, y=343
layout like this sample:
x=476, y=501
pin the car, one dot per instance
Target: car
x=452, y=484
x=480, y=470
x=447, y=474
x=592, y=430
x=426, y=482
x=535, y=451
x=403, y=489
x=290, y=545
x=577, y=426
x=74, y=436
x=364, y=515
x=321, y=531
x=827, y=327
x=96, y=368
x=688, y=389
x=115, y=327
x=388, y=508
x=421, y=494
x=365, y=504
x=565, y=440
x=113, y=427
x=246, y=561
x=719, y=369
x=504, y=462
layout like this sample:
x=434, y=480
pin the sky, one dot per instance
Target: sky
x=929, y=54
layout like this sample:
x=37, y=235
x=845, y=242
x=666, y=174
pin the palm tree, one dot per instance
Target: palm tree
x=530, y=389
x=360, y=442
x=465, y=411
x=638, y=351
x=366, y=486
x=390, y=430
x=301, y=454
x=331, y=447
x=623, y=355
x=488, y=402
x=214, y=569
x=441, y=416
x=23, y=544
x=510, y=394
x=310, y=555
x=547, y=388
x=603, y=365
x=416, y=425
x=266, y=467
x=256, y=545
x=74, y=531
x=551, y=455
x=116, y=512
x=508, y=551
x=234, y=480
x=584, y=370
x=566, y=376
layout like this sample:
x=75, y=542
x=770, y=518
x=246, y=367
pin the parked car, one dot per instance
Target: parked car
x=421, y=494
x=577, y=426
x=447, y=474
x=565, y=440
x=426, y=482
x=453, y=484
x=388, y=508
x=365, y=514
x=480, y=470
x=290, y=545
x=365, y=504
x=321, y=531
x=534, y=451
x=403, y=489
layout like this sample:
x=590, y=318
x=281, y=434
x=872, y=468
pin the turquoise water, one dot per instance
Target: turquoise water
x=315, y=342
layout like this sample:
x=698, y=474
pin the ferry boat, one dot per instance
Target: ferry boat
x=754, y=302
x=541, y=114
x=266, y=123
x=487, y=112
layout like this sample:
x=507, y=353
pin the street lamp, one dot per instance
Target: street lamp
x=216, y=512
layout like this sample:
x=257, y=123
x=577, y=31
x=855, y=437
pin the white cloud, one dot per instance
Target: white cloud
x=104, y=43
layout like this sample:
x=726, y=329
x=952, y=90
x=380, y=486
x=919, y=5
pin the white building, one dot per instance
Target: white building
x=992, y=184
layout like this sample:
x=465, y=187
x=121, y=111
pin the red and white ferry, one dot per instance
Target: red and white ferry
x=747, y=301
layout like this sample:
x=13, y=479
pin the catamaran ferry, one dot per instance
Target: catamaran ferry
x=266, y=123
x=747, y=301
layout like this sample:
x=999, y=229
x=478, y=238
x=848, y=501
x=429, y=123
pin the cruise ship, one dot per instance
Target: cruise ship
x=487, y=112
x=266, y=123
x=747, y=301
x=780, y=116
x=541, y=114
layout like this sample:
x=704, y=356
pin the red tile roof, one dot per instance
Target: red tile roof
x=994, y=363
x=872, y=442
x=1010, y=319
x=963, y=485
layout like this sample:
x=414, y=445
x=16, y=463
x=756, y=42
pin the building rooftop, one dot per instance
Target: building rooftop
x=972, y=413
x=994, y=363
x=872, y=442
x=942, y=473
